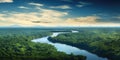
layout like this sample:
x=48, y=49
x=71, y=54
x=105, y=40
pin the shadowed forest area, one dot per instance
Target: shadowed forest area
x=104, y=42
x=15, y=44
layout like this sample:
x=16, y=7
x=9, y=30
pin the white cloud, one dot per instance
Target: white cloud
x=36, y=4
x=61, y=7
x=118, y=17
x=82, y=4
x=49, y=17
x=2, y=14
x=53, y=13
x=23, y=7
x=79, y=5
x=46, y=17
x=88, y=21
x=83, y=20
x=6, y=1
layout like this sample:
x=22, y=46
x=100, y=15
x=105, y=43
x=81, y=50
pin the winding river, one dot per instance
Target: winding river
x=68, y=49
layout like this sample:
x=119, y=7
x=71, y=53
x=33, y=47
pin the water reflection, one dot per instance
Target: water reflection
x=69, y=49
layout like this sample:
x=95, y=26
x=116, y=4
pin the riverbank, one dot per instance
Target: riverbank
x=16, y=44
x=92, y=41
x=67, y=48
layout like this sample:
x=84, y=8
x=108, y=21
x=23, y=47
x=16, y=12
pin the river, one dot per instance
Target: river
x=68, y=49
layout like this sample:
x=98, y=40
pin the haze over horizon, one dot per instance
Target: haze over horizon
x=60, y=13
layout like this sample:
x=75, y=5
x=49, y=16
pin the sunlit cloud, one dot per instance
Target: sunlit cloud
x=6, y=1
x=82, y=4
x=86, y=19
x=61, y=7
x=35, y=4
x=82, y=21
x=51, y=17
x=45, y=17
x=23, y=7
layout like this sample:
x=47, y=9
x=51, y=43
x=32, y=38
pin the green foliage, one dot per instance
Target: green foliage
x=104, y=42
x=15, y=44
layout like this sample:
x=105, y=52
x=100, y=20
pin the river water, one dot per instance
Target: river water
x=68, y=49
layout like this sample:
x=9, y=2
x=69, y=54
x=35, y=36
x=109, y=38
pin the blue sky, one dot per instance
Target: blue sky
x=52, y=13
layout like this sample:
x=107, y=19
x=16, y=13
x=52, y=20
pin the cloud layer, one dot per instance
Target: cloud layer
x=50, y=18
x=39, y=16
x=61, y=7
x=6, y=1
x=36, y=4
x=23, y=7
x=45, y=17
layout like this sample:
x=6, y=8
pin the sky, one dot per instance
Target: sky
x=60, y=13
